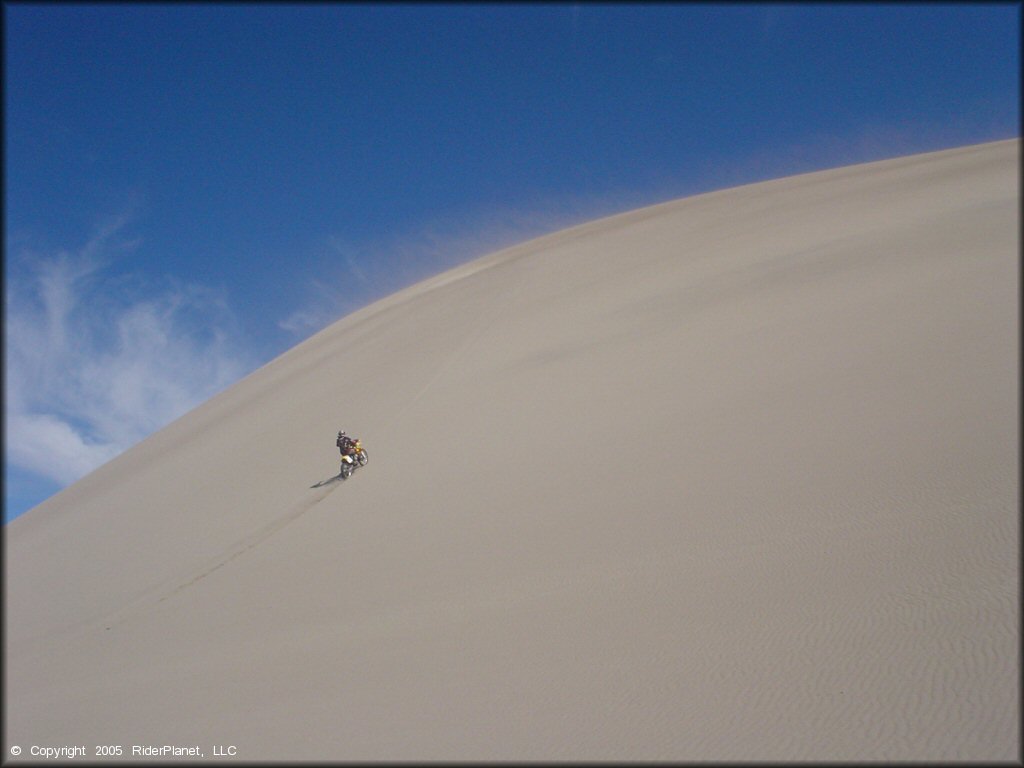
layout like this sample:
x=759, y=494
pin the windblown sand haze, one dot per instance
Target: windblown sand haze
x=734, y=477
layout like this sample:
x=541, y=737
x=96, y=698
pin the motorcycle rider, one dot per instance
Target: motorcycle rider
x=345, y=444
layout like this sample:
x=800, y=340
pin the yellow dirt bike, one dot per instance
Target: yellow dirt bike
x=349, y=462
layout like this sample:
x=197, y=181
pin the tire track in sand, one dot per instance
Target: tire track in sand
x=228, y=555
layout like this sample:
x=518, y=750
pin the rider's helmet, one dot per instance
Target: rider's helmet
x=341, y=433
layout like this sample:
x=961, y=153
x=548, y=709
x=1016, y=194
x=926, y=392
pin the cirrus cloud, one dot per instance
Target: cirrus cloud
x=96, y=361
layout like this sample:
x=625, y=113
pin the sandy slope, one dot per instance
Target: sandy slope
x=733, y=477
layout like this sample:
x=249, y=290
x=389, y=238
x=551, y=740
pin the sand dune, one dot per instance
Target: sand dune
x=729, y=478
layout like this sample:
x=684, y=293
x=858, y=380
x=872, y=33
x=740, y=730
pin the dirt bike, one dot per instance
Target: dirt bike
x=349, y=461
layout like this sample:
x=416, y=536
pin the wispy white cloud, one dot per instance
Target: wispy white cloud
x=47, y=445
x=94, y=363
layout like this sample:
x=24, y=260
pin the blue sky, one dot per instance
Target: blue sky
x=193, y=189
